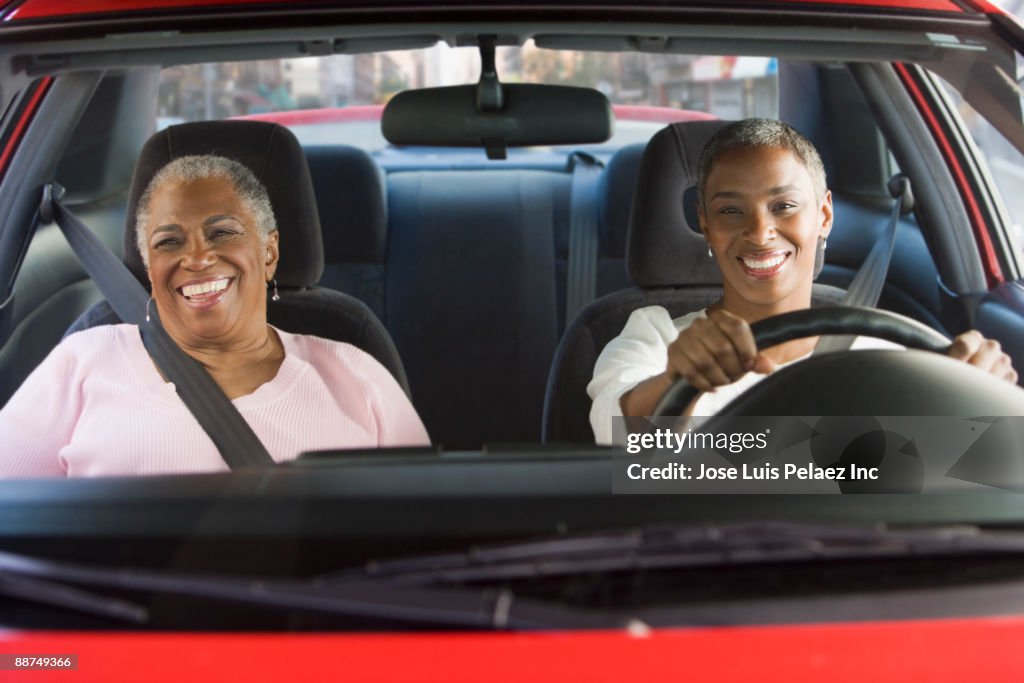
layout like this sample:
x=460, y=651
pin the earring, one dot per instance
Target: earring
x=710, y=255
x=824, y=243
x=147, y=308
x=819, y=257
x=276, y=296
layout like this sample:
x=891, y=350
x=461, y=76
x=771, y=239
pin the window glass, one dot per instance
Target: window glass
x=1004, y=163
x=337, y=99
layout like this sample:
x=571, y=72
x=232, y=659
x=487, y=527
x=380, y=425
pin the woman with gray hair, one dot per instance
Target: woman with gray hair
x=206, y=231
x=765, y=210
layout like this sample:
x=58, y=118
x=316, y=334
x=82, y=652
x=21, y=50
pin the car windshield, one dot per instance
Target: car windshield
x=432, y=317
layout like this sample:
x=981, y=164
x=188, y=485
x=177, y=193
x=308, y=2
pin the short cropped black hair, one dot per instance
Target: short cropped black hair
x=761, y=133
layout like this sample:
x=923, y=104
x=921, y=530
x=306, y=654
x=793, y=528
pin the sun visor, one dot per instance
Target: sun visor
x=524, y=114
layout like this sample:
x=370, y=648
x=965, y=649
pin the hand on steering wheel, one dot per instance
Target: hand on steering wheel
x=715, y=351
x=731, y=352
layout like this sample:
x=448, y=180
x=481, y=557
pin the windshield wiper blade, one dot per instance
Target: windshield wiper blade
x=681, y=547
x=68, y=597
x=369, y=598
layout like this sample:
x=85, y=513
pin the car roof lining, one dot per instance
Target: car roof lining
x=169, y=48
x=965, y=55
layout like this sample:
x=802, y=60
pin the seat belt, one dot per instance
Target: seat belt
x=866, y=287
x=581, y=278
x=219, y=418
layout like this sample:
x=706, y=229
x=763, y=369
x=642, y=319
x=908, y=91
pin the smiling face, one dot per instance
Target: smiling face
x=207, y=265
x=763, y=221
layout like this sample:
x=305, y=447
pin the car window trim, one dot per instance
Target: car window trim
x=991, y=204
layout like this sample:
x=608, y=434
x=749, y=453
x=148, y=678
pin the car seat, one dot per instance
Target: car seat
x=351, y=199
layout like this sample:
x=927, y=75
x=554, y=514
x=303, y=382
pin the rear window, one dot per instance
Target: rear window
x=338, y=99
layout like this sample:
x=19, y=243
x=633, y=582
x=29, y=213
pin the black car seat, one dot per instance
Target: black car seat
x=274, y=155
x=351, y=198
x=667, y=262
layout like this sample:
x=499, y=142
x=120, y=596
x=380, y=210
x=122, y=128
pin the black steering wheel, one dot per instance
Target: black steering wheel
x=813, y=322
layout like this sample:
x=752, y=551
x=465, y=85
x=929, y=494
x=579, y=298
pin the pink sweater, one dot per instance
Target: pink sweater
x=97, y=406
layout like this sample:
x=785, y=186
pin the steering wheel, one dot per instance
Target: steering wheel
x=813, y=322
x=876, y=382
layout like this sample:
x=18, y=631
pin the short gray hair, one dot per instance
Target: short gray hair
x=761, y=133
x=187, y=169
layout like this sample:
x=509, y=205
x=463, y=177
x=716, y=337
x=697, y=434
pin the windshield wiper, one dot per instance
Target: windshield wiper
x=419, y=590
x=682, y=547
x=68, y=597
x=369, y=598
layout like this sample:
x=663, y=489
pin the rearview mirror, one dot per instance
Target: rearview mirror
x=529, y=114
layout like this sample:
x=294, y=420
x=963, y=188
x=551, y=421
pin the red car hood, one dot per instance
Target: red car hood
x=944, y=650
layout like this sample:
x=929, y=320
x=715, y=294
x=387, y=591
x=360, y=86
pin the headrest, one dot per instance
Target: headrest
x=618, y=182
x=665, y=247
x=351, y=196
x=274, y=156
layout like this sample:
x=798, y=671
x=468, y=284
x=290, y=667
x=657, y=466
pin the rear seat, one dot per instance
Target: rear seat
x=618, y=183
x=467, y=270
x=615, y=196
x=470, y=298
x=351, y=199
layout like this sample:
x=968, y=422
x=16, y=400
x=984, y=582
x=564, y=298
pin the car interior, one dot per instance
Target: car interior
x=462, y=277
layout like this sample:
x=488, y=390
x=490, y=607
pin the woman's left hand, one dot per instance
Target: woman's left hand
x=985, y=354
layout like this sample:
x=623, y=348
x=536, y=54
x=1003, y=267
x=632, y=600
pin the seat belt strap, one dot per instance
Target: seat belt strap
x=581, y=279
x=219, y=418
x=216, y=414
x=866, y=288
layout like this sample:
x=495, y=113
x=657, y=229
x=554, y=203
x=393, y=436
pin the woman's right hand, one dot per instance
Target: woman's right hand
x=715, y=351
